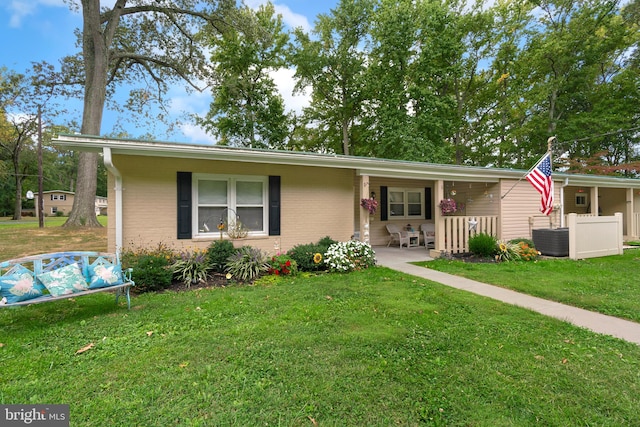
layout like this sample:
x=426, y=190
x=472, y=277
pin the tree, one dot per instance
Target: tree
x=247, y=109
x=333, y=66
x=576, y=51
x=410, y=108
x=153, y=43
x=499, y=108
x=23, y=100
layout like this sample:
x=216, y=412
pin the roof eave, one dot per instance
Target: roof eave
x=362, y=165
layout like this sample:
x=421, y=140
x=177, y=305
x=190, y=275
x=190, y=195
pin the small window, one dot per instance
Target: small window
x=406, y=203
x=581, y=200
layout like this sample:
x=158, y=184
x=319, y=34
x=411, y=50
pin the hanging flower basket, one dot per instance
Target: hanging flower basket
x=448, y=206
x=370, y=204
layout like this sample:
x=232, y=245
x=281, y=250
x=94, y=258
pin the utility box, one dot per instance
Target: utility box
x=552, y=241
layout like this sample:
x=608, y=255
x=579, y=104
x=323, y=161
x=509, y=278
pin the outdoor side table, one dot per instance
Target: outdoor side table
x=414, y=238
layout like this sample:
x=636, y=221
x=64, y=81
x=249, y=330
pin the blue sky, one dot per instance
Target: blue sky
x=43, y=30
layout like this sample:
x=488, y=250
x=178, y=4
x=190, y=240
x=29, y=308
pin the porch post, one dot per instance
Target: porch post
x=629, y=215
x=364, y=213
x=437, y=216
x=594, y=201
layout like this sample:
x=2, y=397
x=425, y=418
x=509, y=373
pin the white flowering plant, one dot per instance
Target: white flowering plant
x=348, y=256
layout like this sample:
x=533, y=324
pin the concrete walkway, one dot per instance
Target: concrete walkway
x=399, y=259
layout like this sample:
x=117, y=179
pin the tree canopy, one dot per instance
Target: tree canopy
x=463, y=82
x=455, y=81
x=145, y=44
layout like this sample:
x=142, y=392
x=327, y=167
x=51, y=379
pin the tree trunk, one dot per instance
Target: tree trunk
x=95, y=46
x=345, y=136
x=17, y=210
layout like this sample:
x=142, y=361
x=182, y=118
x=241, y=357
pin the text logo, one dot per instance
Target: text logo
x=34, y=415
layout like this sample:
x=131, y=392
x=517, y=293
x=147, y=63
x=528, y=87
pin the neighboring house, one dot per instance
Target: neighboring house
x=55, y=202
x=59, y=202
x=177, y=194
x=101, y=205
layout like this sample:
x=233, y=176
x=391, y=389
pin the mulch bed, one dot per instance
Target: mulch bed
x=216, y=280
x=469, y=257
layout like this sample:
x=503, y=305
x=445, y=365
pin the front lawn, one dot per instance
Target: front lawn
x=374, y=348
x=22, y=238
x=607, y=285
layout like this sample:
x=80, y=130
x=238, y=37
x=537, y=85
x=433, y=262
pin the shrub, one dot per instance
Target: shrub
x=219, y=251
x=247, y=263
x=349, y=256
x=325, y=242
x=309, y=256
x=152, y=273
x=303, y=256
x=483, y=245
x=191, y=267
x=283, y=265
x=129, y=257
x=151, y=266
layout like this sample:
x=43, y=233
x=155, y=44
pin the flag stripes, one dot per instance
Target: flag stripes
x=540, y=178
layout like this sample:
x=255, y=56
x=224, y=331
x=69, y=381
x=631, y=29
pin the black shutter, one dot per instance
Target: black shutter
x=184, y=205
x=274, y=206
x=428, y=203
x=384, y=214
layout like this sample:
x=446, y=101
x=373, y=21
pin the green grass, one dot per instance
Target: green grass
x=607, y=285
x=375, y=348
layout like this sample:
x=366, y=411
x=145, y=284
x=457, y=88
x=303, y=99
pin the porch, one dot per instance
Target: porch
x=505, y=208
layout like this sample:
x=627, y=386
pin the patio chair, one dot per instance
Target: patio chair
x=429, y=235
x=397, y=234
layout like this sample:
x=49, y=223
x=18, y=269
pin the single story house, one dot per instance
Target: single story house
x=178, y=194
x=60, y=201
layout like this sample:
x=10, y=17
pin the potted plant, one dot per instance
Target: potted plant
x=370, y=204
x=448, y=206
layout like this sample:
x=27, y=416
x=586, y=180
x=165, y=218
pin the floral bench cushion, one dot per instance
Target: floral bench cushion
x=47, y=277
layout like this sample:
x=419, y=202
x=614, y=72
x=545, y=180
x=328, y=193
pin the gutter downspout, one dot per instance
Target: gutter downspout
x=108, y=163
x=564, y=184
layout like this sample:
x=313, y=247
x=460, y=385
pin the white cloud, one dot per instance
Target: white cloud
x=20, y=9
x=197, y=135
x=290, y=18
x=285, y=82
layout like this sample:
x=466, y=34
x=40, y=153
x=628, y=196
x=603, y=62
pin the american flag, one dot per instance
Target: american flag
x=540, y=178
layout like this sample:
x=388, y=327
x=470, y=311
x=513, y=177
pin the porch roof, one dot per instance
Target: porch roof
x=361, y=165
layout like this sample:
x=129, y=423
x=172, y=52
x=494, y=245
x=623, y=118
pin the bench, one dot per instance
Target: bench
x=61, y=275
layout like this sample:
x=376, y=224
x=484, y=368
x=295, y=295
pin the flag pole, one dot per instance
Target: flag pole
x=549, y=141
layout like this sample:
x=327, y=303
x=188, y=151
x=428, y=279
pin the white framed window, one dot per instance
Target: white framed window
x=228, y=199
x=406, y=203
x=581, y=199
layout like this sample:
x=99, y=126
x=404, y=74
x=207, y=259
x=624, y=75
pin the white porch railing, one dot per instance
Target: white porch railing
x=636, y=225
x=458, y=229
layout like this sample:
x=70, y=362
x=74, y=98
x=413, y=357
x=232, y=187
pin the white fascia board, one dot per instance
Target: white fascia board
x=362, y=165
